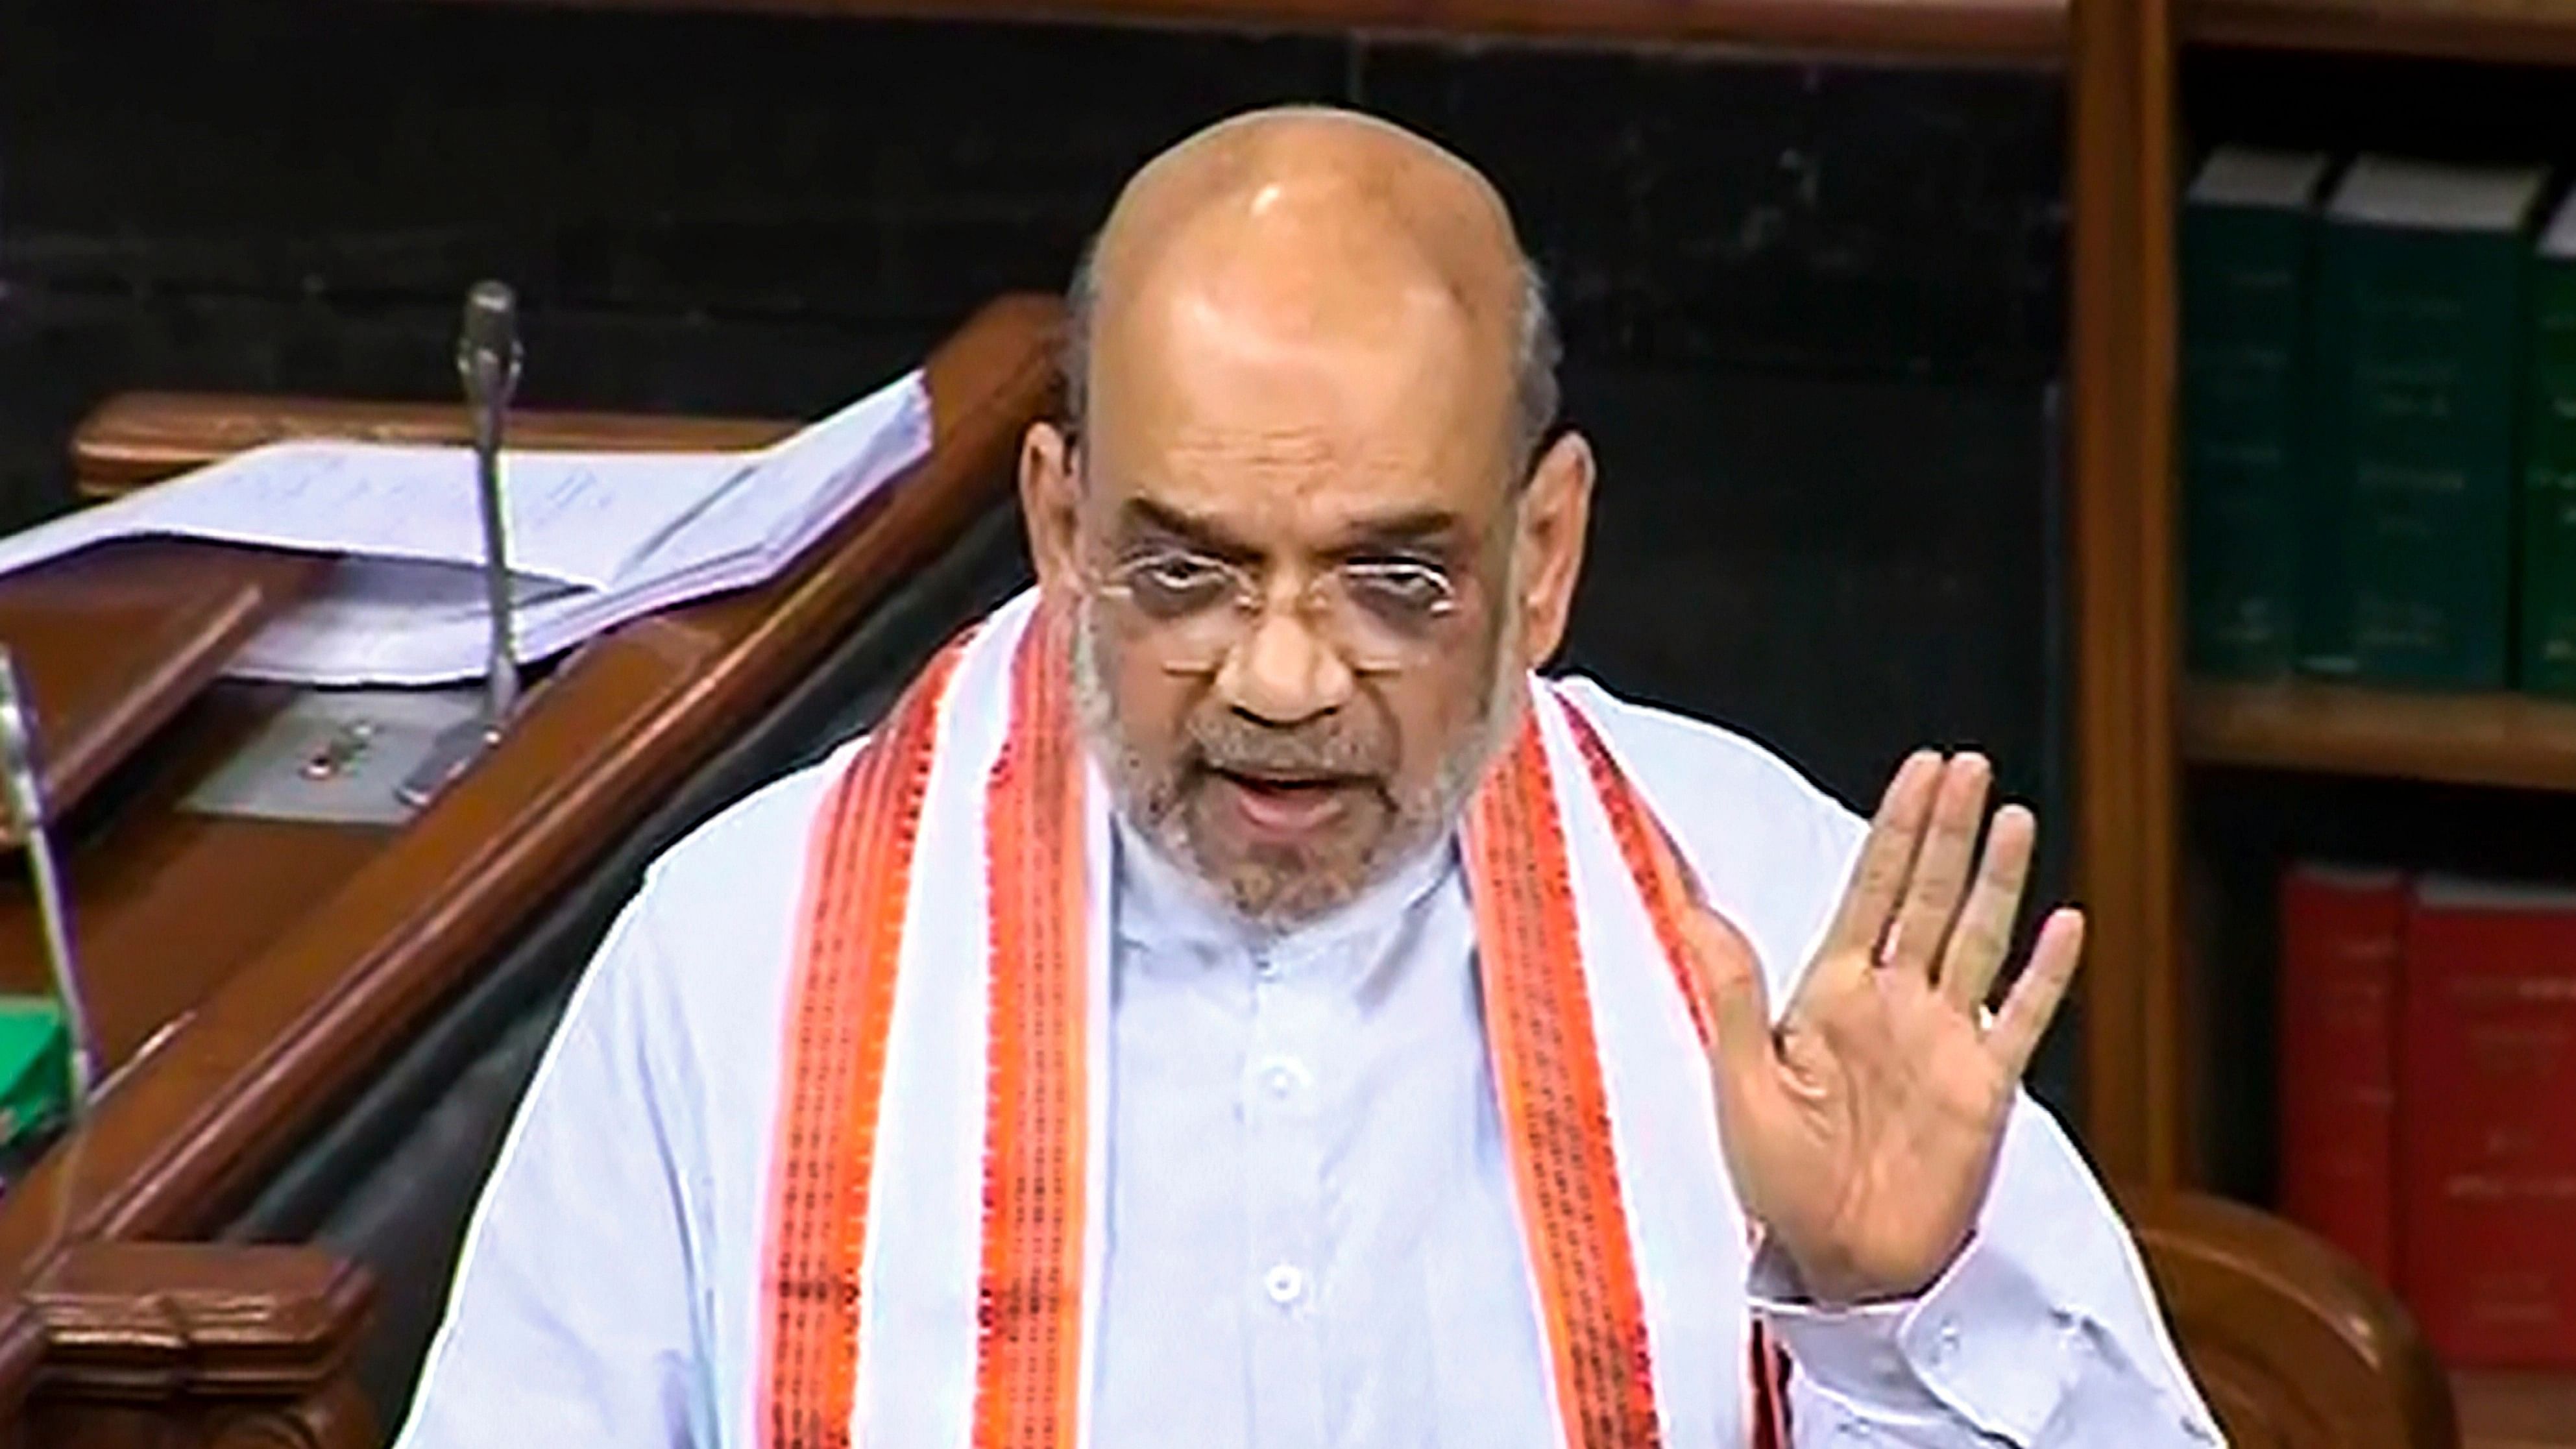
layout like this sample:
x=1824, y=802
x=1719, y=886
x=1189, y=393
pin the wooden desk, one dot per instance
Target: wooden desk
x=249, y=976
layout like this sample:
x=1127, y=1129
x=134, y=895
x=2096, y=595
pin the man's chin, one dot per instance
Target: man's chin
x=1282, y=898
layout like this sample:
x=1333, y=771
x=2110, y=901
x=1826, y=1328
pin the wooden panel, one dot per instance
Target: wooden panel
x=2121, y=361
x=2516, y=1410
x=2521, y=32
x=2472, y=739
x=113, y=642
x=2002, y=30
x=361, y=932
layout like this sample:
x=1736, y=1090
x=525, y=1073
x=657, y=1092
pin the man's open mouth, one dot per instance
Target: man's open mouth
x=1285, y=805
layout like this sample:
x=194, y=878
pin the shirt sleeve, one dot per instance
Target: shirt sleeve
x=571, y=1323
x=2043, y=1332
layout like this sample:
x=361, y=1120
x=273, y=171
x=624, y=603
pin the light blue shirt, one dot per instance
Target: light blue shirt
x=1308, y=1193
x=1311, y=1236
x=1313, y=1243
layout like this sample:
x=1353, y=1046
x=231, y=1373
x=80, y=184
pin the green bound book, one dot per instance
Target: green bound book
x=2248, y=232
x=2549, y=467
x=2417, y=349
x=35, y=1079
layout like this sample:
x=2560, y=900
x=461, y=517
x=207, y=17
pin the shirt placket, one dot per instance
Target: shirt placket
x=1279, y=1092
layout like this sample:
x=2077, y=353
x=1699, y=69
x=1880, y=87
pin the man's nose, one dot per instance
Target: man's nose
x=1283, y=672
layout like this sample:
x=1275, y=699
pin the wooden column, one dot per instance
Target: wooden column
x=2122, y=358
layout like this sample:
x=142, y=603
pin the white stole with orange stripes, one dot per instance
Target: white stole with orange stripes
x=934, y=1244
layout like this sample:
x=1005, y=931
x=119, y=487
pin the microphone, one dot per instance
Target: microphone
x=19, y=782
x=487, y=362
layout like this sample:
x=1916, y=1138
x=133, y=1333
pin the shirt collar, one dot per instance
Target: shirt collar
x=1162, y=908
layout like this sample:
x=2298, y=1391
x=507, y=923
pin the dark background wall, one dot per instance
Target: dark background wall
x=1814, y=312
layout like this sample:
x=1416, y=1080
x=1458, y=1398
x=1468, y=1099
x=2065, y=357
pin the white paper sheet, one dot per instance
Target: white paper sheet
x=594, y=538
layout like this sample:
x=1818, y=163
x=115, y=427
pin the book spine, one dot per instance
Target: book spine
x=2340, y=946
x=2245, y=284
x=2428, y=370
x=2487, y=1134
x=2322, y=606
x=2548, y=521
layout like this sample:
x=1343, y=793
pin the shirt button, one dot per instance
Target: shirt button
x=1265, y=967
x=1283, y=1077
x=1949, y=1344
x=1284, y=1284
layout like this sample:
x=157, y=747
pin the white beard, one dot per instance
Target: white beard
x=1096, y=709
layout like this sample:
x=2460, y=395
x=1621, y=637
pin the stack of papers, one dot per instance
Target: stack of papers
x=594, y=539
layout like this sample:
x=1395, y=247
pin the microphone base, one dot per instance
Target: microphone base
x=349, y=756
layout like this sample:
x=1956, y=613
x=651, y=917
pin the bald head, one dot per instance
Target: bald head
x=1309, y=222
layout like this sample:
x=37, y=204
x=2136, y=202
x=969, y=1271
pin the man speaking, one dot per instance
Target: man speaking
x=1232, y=1001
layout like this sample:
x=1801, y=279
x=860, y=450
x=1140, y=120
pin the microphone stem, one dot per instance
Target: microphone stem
x=501, y=690
x=23, y=788
x=58, y=957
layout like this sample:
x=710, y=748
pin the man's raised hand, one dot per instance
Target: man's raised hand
x=1861, y=1129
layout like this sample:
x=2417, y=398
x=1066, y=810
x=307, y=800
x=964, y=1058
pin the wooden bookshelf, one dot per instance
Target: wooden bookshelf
x=2504, y=740
x=2025, y=31
x=2522, y=32
x=2508, y=740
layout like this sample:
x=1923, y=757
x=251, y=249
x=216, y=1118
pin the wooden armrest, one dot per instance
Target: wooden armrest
x=2292, y=1342
x=215, y=1344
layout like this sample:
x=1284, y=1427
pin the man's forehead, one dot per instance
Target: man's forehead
x=1279, y=296
x=1341, y=432
x=1265, y=376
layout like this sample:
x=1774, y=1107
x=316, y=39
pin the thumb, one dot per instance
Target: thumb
x=1730, y=976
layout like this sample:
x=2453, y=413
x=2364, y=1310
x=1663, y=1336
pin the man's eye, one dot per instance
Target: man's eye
x=1177, y=582
x=1401, y=589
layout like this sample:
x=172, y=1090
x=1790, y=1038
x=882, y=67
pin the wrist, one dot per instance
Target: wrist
x=1830, y=1277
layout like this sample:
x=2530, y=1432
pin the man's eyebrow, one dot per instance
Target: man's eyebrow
x=1410, y=528
x=1413, y=528
x=1145, y=515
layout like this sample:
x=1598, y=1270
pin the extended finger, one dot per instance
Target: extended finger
x=1940, y=873
x=1984, y=931
x=1886, y=856
x=2034, y=999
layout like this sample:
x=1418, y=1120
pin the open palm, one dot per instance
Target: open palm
x=1861, y=1127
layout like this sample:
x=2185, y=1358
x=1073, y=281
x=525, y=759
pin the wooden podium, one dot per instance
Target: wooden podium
x=260, y=985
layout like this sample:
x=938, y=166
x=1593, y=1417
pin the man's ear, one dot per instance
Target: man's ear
x=1555, y=514
x=1050, y=500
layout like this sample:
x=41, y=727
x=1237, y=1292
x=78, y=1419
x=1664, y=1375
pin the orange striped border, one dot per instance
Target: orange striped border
x=1665, y=881
x=1538, y=1021
x=1028, y=1373
x=849, y=941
